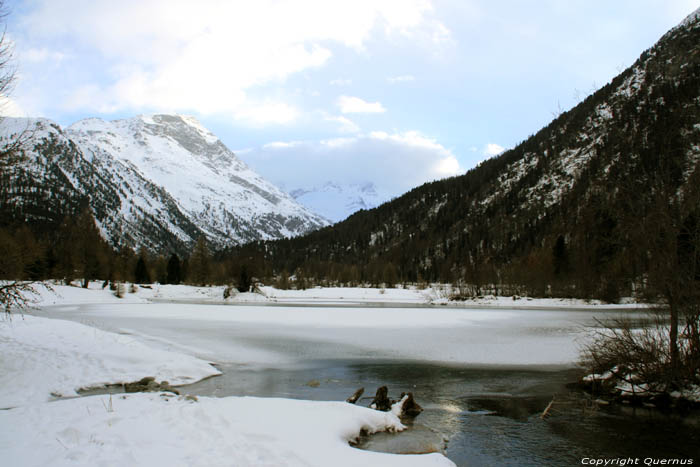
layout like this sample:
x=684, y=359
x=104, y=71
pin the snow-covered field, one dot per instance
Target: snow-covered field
x=173, y=332
x=42, y=359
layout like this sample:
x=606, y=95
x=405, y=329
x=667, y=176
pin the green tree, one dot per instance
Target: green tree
x=390, y=275
x=560, y=257
x=245, y=280
x=200, y=263
x=141, y=274
x=174, y=270
x=11, y=265
x=89, y=253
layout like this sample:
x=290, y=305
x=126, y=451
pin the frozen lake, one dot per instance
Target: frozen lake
x=483, y=376
x=293, y=336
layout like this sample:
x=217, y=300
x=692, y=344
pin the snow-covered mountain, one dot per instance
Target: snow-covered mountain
x=581, y=205
x=336, y=201
x=158, y=181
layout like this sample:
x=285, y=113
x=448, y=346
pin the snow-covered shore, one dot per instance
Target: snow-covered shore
x=351, y=296
x=44, y=359
x=154, y=429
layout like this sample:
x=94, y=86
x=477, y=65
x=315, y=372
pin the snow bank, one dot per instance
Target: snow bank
x=156, y=429
x=75, y=295
x=44, y=357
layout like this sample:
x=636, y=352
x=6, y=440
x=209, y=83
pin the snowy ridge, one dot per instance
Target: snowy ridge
x=692, y=19
x=336, y=201
x=161, y=181
x=224, y=197
x=560, y=171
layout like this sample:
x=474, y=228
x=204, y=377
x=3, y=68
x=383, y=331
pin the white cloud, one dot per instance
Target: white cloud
x=338, y=142
x=261, y=113
x=355, y=105
x=340, y=82
x=401, y=79
x=282, y=144
x=440, y=33
x=42, y=55
x=10, y=108
x=394, y=162
x=493, y=149
x=345, y=124
x=168, y=54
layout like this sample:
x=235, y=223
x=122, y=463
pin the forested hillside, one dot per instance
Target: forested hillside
x=581, y=208
x=602, y=202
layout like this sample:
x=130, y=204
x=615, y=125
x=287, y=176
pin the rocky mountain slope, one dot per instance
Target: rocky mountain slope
x=574, y=204
x=158, y=181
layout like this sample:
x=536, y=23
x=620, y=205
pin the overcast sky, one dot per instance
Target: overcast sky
x=395, y=92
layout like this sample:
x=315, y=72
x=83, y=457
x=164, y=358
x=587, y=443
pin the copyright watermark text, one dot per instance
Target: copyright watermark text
x=622, y=461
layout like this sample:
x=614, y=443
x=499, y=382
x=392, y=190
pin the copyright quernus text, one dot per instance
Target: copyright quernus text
x=622, y=461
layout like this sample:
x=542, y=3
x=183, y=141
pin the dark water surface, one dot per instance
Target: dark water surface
x=489, y=416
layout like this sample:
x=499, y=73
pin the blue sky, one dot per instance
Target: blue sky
x=392, y=92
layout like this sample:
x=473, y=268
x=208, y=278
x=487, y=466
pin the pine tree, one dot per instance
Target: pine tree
x=560, y=257
x=88, y=251
x=174, y=271
x=244, y=279
x=141, y=274
x=200, y=263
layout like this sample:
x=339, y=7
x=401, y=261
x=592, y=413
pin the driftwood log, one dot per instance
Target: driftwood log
x=355, y=396
x=408, y=405
x=381, y=400
x=149, y=384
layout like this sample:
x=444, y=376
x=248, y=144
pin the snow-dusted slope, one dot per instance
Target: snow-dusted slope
x=157, y=181
x=545, y=173
x=336, y=201
x=565, y=206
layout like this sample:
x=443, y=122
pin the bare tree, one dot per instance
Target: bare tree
x=11, y=145
x=7, y=65
x=17, y=293
x=665, y=353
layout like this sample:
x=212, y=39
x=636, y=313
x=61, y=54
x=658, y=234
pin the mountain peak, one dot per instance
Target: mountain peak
x=336, y=200
x=161, y=181
x=181, y=123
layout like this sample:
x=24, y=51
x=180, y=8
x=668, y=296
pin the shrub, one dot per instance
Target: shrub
x=638, y=354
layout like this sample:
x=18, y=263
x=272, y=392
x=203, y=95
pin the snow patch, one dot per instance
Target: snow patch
x=44, y=358
x=152, y=429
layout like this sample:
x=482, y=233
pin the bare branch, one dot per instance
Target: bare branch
x=18, y=295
